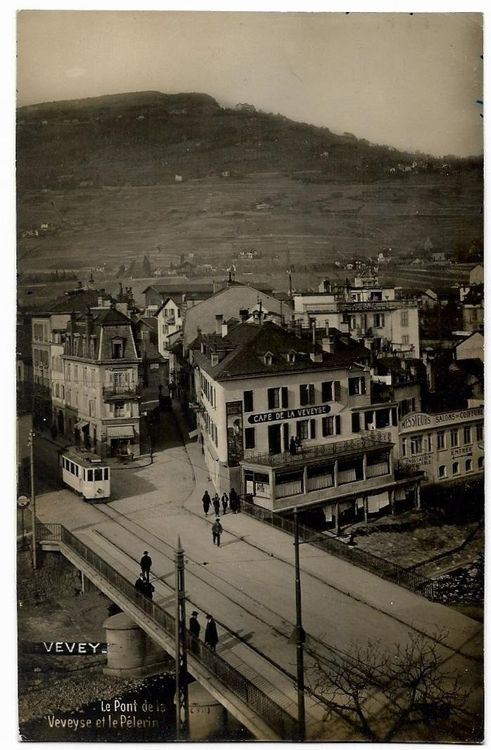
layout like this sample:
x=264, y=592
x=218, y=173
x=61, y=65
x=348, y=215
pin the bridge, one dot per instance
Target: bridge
x=259, y=705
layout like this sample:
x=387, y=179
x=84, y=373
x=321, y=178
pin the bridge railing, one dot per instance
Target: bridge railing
x=363, y=559
x=262, y=704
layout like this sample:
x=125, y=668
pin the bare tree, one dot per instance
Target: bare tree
x=380, y=692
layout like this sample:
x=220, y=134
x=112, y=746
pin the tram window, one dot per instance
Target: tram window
x=90, y=475
x=106, y=473
x=76, y=469
x=98, y=475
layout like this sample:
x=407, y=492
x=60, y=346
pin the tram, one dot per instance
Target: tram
x=85, y=473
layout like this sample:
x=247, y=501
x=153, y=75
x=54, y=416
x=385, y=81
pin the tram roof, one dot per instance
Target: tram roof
x=86, y=459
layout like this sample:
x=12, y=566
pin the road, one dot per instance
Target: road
x=248, y=583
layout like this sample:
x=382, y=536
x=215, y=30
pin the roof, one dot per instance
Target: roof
x=77, y=302
x=243, y=351
x=111, y=317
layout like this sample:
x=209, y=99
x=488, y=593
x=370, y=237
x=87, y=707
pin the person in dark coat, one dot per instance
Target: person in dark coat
x=206, y=502
x=211, y=633
x=194, y=629
x=216, y=531
x=149, y=589
x=140, y=584
x=146, y=564
x=233, y=500
x=293, y=446
x=216, y=504
x=224, y=502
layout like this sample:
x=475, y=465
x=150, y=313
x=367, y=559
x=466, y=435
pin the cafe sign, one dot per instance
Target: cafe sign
x=281, y=414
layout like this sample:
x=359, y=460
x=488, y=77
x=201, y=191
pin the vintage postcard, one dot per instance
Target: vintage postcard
x=250, y=376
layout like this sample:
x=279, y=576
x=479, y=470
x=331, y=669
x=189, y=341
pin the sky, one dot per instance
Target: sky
x=407, y=80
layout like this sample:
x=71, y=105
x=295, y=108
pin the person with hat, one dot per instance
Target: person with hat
x=146, y=564
x=211, y=633
x=216, y=531
x=194, y=630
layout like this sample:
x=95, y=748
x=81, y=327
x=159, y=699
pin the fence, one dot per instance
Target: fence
x=383, y=568
x=274, y=715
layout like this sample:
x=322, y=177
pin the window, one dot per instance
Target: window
x=468, y=464
x=312, y=429
x=307, y=394
x=479, y=432
x=248, y=401
x=106, y=474
x=327, y=390
x=440, y=440
x=442, y=472
x=355, y=422
x=405, y=339
x=90, y=475
x=404, y=318
x=455, y=468
x=268, y=359
x=91, y=408
x=467, y=435
x=117, y=349
x=480, y=462
x=284, y=397
x=331, y=426
x=119, y=409
x=379, y=320
x=273, y=398
x=303, y=429
x=454, y=438
x=250, y=437
x=98, y=475
x=416, y=443
x=356, y=386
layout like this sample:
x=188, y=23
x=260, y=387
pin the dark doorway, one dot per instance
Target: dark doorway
x=274, y=438
x=61, y=423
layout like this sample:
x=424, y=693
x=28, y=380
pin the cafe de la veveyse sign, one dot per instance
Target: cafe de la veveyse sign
x=275, y=416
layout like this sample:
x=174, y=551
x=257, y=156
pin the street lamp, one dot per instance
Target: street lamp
x=299, y=636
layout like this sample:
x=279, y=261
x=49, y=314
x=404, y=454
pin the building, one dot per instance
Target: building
x=169, y=318
x=368, y=312
x=470, y=347
x=476, y=275
x=446, y=446
x=102, y=393
x=45, y=337
x=259, y=388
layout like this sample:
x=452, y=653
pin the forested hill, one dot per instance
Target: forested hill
x=147, y=138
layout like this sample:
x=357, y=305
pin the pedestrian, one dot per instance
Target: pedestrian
x=148, y=590
x=216, y=530
x=194, y=629
x=206, y=502
x=224, y=502
x=140, y=584
x=216, y=504
x=298, y=444
x=233, y=500
x=293, y=446
x=146, y=564
x=211, y=634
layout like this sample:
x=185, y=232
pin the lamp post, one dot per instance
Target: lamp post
x=300, y=636
x=182, y=701
x=23, y=503
x=33, y=501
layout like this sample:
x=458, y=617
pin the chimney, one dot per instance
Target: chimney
x=316, y=356
x=224, y=330
x=218, y=324
x=244, y=314
x=89, y=322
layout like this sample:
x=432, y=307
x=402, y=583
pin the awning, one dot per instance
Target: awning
x=80, y=425
x=121, y=431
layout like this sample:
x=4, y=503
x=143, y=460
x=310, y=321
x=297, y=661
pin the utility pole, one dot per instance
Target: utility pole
x=182, y=702
x=300, y=638
x=33, y=501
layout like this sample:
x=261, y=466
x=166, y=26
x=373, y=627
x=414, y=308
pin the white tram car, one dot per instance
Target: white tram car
x=85, y=473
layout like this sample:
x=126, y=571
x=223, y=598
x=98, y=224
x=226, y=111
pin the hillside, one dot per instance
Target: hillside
x=101, y=174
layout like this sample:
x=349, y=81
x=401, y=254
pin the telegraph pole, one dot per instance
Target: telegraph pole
x=300, y=638
x=182, y=702
x=33, y=501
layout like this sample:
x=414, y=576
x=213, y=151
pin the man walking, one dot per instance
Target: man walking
x=206, y=502
x=234, y=500
x=146, y=564
x=211, y=633
x=216, y=504
x=216, y=530
x=194, y=626
x=224, y=502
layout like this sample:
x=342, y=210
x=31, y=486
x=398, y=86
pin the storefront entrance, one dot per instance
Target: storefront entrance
x=274, y=438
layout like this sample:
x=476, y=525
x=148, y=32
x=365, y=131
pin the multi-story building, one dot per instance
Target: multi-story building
x=45, y=329
x=446, y=445
x=368, y=312
x=102, y=393
x=169, y=320
x=278, y=417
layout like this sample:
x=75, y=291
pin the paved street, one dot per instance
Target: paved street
x=248, y=583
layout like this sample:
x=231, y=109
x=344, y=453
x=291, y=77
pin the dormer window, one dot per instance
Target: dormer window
x=290, y=357
x=268, y=359
x=214, y=359
x=117, y=348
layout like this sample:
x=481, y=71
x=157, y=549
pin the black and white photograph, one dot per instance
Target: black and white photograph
x=249, y=372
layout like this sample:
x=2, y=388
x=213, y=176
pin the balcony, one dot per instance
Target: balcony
x=121, y=392
x=307, y=454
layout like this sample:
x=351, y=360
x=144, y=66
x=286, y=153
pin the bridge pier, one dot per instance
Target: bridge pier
x=130, y=652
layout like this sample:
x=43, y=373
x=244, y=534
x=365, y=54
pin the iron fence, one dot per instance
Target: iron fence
x=262, y=704
x=363, y=559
